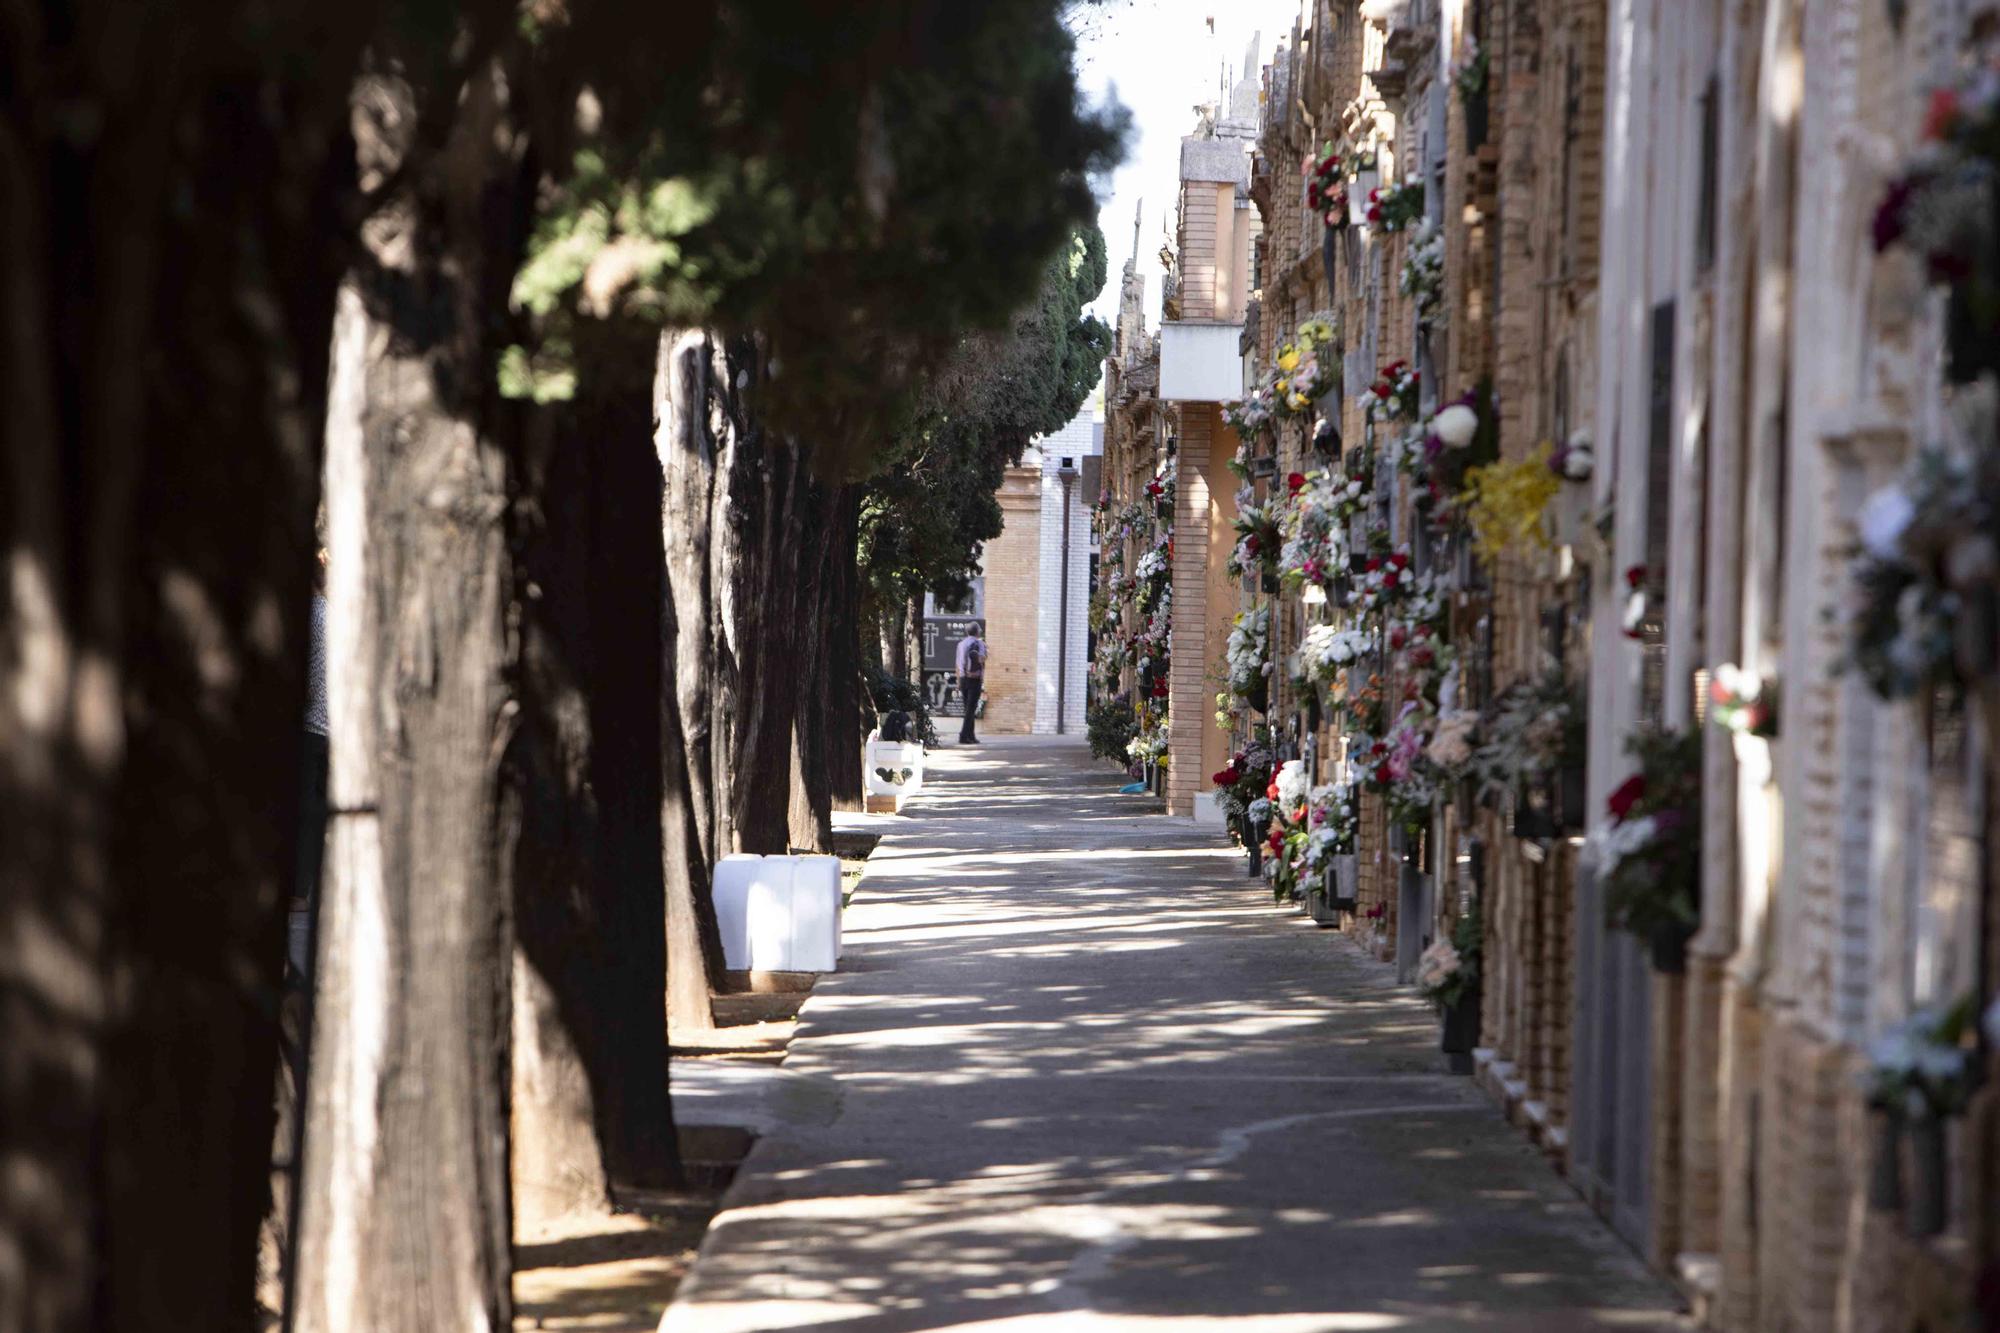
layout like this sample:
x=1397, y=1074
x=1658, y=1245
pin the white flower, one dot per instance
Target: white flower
x=1610, y=844
x=1885, y=516
x=1456, y=425
x=1292, y=784
x=1579, y=463
x=1438, y=965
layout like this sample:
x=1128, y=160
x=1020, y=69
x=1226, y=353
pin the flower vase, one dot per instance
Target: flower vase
x=1256, y=851
x=1346, y=881
x=1575, y=812
x=1885, y=1166
x=1461, y=1025
x=1569, y=513
x=1320, y=900
x=1327, y=257
x=1928, y=1196
x=1670, y=948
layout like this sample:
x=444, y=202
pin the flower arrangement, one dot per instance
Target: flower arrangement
x=1247, y=418
x=1451, y=747
x=1646, y=854
x=1922, y=578
x=1298, y=377
x=1258, y=543
x=1448, y=972
x=1334, y=813
x=1315, y=527
x=1394, y=394
x=1743, y=702
x=1327, y=650
x=1943, y=209
x=1632, y=620
x=1532, y=728
x=1924, y=1065
x=1248, y=657
x=895, y=777
x=1422, y=278
x=1241, y=784
x=1149, y=746
x=1504, y=503
x=1574, y=459
x=1326, y=191
x=1394, y=208
x=1470, y=70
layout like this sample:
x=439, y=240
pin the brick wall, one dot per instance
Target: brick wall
x=1012, y=567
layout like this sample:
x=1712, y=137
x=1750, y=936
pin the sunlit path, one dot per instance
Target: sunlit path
x=1079, y=1074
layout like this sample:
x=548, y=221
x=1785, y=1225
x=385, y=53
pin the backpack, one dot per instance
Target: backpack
x=975, y=660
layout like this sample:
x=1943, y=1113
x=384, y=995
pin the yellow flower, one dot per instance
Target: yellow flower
x=1504, y=502
x=1298, y=402
x=1288, y=359
x=1283, y=387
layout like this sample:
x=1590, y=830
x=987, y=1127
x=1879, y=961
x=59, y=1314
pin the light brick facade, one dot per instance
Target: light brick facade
x=1659, y=246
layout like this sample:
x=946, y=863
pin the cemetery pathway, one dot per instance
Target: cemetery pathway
x=1076, y=1073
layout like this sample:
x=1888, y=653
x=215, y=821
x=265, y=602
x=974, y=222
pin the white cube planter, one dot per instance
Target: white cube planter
x=778, y=913
x=894, y=756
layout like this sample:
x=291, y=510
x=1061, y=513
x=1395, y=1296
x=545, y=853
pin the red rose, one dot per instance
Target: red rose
x=1277, y=839
x=1382, y=774
x=1296, y=481
x=1379, y=748
x=1397, y=638
x=1374, y=563
x=1628, y=795
x=1942, y=114
x=1635, y=577
x=1422, y=657
x=1389, y=579
x=1160, y=688
x=1399, y=560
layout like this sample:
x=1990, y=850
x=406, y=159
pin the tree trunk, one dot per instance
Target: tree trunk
x=845, y=698
x=405, y=1222
x=811, y=813
x=590, y=1082
x=681, y=393
x=164, y=296
x=734, y=544
x=896, y=633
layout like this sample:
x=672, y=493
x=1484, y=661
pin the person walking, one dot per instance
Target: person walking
x=971, y=679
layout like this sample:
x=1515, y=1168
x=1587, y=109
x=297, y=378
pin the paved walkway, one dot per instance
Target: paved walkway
x=1076, y=1073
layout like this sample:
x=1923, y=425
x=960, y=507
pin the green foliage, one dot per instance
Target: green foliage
x=1112, y=724
x=857, y=185
x=890, y=694
x=1652, y=882
x=927, y=513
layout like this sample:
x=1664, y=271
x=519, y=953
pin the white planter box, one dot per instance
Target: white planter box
x=778, y=913
x=894, y=756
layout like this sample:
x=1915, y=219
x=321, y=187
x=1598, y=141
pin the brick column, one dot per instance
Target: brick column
x=1191, y=698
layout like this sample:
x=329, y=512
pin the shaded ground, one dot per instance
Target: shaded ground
x=1076, y=1073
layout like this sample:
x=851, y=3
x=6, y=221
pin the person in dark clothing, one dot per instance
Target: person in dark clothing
x=971, y=680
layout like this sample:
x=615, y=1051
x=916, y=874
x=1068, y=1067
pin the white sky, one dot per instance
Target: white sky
x=1160, y=59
